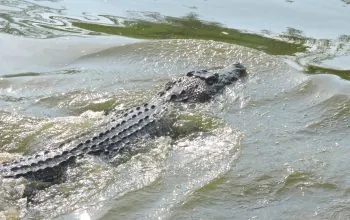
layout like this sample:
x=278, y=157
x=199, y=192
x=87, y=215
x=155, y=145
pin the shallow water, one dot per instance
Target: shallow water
x=273, y=146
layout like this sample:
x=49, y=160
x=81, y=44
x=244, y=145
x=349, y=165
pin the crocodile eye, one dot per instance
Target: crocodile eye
x=173, y=97
x=212, y=79
x=190, y=73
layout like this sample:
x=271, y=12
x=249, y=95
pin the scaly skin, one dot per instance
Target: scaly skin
x=139, y=122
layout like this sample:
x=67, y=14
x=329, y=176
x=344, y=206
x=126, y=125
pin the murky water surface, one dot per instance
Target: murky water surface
x=274, y=146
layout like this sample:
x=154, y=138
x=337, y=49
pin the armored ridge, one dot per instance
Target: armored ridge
x=137, y=123
x=134, y=124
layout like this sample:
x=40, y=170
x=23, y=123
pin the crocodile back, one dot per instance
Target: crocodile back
x=134, y=124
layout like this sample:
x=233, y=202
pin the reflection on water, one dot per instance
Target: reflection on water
x=147, y=26
x=47, y=19
x=26, y=18
x=319, y=19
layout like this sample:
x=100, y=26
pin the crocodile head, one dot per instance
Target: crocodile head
x=202, y=85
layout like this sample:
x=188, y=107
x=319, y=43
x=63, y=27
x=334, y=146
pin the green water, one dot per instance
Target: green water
x=275, y=146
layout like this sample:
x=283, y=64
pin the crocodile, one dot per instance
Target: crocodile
x=123, y=131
